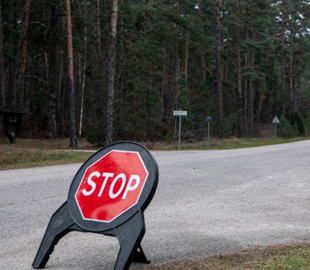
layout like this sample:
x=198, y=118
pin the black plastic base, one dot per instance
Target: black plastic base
x=129, y=235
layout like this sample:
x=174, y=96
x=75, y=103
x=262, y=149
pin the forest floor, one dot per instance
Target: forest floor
x=42, y=152
x=280, y=257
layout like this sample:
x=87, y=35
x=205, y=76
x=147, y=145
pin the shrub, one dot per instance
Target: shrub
x=297, y=122
x=286, y=130
x=95, y=133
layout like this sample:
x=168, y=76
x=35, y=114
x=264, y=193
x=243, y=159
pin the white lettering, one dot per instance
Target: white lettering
x=111, y=192
x=106, y=177
x=125, y=186
x=91, y=183
x=131, y=187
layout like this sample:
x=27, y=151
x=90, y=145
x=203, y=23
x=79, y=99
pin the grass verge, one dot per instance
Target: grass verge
x=38, y=152
x=282, y=257
x=222, y=144
x=30, y=153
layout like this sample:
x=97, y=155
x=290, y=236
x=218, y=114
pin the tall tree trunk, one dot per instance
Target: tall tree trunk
x=146, y=15
x=219, y=91
x=251, y=95
x=22, y=89
x=52, y=106
x=245, y=93
x=233, y=102
x=260, y=106
x=293, y=96
x=79, y=72
x=177, y=66
x=178, y=60
x=72, y=120
x=82, y=98
x=98, y=28
x=238, y=53
x=111, y=74
x=49, y=73
x=52, y=127
x=59, y=76
x=203, y=62
x=83, y=84
x=2, y=79
x=295, y=104
x=186, y=57
x=291, y=82
x=18, y=91
x=283, y=99
x=245, y=80
x=52, y=60
x=238, y=65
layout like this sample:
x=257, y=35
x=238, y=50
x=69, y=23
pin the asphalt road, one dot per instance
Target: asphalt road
x=206, y=202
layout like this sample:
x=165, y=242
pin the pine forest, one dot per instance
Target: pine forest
x=111, y=70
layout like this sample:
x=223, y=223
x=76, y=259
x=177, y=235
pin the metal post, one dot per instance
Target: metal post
x=275, y=130
x=179, y=133
x=275, y=121
x=208, y=134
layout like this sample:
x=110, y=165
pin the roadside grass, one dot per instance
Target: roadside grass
x=30, y=153
x=221, y=144
x=281, y=257
x=46, y=144
x=42, y=152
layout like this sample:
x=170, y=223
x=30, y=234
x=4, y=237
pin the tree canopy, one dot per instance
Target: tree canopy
x=240, y=61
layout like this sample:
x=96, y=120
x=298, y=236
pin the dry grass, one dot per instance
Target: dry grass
x=41, y=152
x=46, y=144
x=220, y=144
x=282, y=257
x=29, y=153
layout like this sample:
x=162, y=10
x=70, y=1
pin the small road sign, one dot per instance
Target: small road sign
x=275, y=120
x=108, y=195
x=209, y=119
x=179, y=113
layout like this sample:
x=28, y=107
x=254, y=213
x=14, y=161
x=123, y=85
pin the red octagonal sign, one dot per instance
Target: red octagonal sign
x=111, y=186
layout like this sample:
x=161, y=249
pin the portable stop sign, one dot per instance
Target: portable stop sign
x=108, y=195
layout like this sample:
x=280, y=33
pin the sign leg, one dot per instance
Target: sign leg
x=208, y=134
x=275, y=130
x=180, y=133
x=140, y=256
x=58, y=227
x=129, y=236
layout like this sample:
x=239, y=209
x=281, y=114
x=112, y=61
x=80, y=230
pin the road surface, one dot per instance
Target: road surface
x=207, y=202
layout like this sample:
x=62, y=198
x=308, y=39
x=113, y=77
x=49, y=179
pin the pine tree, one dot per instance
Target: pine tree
x=111, y=74
x=71, y=90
